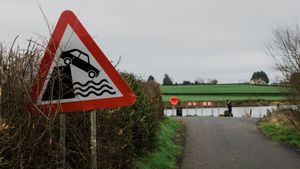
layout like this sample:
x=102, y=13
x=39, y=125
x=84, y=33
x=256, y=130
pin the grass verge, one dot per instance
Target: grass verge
x=165, y=154
x=221, y=97
x=280, y=132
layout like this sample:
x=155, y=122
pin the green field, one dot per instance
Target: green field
x=223, y=92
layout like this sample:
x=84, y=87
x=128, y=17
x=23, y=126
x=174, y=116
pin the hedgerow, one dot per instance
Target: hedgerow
x=33, y=140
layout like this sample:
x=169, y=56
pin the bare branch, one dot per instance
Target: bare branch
x=118, y=61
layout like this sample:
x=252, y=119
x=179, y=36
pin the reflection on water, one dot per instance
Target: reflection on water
x=255, y=111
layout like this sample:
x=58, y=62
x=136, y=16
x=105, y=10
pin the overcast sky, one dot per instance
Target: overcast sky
x=221, y=39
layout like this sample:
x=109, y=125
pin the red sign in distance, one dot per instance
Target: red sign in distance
x=174, y=100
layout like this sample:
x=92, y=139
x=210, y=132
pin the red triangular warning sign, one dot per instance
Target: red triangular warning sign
x=74, y=73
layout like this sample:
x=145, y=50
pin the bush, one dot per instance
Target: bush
x=128, y=132
x=281, y=127
x=33, y=141
x=281, y=133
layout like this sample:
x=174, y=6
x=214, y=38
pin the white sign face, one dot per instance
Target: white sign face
x=75, y=75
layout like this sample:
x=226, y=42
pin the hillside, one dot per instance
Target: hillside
x=221, y=92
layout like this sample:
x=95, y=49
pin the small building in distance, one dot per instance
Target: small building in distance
x=258, y=82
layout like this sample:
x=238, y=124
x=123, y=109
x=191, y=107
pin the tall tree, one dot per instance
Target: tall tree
x=199, y=80
x=186, y=82
x=260, y=75
x=212, y=81
x=167, y=80
x=150, y=78
x=285, y=50
x=295, y=84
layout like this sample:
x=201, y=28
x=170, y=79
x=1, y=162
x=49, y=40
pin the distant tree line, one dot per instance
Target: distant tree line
x=167, y=80
x=259, y=77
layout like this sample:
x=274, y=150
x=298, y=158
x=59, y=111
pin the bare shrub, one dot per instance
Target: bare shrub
x=28, y=141
x=285, y=50
x=286, y=116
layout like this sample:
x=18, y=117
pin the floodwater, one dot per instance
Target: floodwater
x=254, y=111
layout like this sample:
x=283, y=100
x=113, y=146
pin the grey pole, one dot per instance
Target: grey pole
x=173, y=109
x=93, y=139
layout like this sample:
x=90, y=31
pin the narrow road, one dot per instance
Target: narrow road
x=229, y=143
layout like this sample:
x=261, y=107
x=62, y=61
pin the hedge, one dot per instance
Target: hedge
x=32, y=141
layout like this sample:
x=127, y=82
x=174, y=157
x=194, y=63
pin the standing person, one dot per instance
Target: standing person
x=229, y=106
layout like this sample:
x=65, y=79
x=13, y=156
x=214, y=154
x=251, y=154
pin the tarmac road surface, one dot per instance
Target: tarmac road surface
x=230, y=143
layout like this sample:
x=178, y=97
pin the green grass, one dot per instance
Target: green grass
x=280, y=133
x=222, y=88
x=185, y=98
x=164, y=155
x=223, y=92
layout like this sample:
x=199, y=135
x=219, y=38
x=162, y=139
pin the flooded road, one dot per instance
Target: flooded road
x=255, y=111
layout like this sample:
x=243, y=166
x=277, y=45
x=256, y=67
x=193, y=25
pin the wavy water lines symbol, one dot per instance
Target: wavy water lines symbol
x=97, y=94
x=89, y=82
x=92, y=87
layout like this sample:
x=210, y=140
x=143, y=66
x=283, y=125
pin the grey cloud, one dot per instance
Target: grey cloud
x=223, y=39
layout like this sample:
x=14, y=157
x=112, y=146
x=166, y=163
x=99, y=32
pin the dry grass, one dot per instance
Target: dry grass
x=281, y=127
x=286, y=117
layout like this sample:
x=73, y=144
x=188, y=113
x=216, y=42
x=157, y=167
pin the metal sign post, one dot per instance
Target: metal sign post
x=187, y=111
x=94, y=139
x=173, y=109
x=174, y=101
x=86, y=87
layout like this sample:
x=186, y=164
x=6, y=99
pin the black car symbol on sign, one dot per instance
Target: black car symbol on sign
x=76, y=57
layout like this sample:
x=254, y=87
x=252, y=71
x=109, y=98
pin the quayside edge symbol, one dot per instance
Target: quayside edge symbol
x=74, y=73
x=75, y=57
x=61, y=85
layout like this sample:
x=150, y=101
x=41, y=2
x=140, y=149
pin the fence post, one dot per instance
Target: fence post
x=259, y=113
x=212, y=110
x=187, y=111
x=173, y=108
